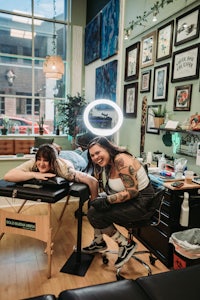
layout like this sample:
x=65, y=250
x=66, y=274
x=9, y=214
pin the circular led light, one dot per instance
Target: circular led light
x=101, y=131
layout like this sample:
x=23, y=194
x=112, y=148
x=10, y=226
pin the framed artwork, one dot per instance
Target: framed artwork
x=130, y=100
x=160, y=87
x=182, y=97
x=187, y=27
x=145, y=81
x=185, y=64
x=132, y=62
x=106, y=80
x=164, y=41
x=150, y=128
x=110, y=29
x=148, y=45
x=92, y=40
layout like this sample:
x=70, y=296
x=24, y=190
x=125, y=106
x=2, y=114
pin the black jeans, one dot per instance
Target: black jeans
x=123, y=213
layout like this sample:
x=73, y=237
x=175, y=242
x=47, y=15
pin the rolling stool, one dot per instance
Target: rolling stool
x=151, y=219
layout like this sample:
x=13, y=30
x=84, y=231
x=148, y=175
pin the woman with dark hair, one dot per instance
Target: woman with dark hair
x=47, y=164
x=127, y=197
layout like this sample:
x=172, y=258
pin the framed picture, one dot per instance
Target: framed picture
x=148, y=45
x=110, y=29
x=187, y=27
x=132, y=62
x=130, y=100
x=150, y=128
x=160, y=88
x=92, y=40
x=145, y=81
x=182, y=97
x=164, y=41
x=185, y=64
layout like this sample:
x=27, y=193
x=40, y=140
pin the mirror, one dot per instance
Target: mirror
x=103, y=117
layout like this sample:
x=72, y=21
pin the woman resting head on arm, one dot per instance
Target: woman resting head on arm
x=47, y=164
x=127, y=197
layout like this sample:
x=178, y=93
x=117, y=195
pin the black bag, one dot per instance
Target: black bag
x=54, y=182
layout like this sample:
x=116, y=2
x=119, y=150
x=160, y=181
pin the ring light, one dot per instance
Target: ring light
x=101, y=131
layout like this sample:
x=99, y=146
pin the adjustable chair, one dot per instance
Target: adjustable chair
x=152, y=218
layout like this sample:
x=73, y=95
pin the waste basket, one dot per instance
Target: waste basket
x=186, y=248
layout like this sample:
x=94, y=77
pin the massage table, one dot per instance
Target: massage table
x=39, y=226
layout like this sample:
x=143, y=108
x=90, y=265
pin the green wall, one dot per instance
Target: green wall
x=130, y=131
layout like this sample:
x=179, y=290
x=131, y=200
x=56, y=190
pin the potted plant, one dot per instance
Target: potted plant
x=5, y=124
x=159, y=114
x=69, y=115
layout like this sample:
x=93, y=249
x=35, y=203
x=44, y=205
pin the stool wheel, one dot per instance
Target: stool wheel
x=152, y=260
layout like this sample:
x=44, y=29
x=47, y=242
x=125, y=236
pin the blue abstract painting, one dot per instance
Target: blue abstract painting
x=106, y=80
x=92, y=40
x=110, y=29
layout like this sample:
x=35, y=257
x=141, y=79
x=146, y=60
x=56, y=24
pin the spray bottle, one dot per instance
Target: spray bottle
x=184, y=215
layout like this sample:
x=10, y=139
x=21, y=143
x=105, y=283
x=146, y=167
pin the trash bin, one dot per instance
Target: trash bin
x=186, y=248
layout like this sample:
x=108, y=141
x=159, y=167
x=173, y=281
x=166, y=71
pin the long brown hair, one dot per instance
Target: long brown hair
x=109, y=146
x=49, y=153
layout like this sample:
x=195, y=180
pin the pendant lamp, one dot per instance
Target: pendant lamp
x=53, y=66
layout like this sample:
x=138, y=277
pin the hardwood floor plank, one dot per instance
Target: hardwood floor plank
x=23, y=267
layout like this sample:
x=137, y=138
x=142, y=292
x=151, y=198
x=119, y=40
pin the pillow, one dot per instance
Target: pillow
x=78, y=161
x=54, y=182
x=42, y=140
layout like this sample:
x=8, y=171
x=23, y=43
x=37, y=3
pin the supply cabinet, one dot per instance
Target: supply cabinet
x=156, y=238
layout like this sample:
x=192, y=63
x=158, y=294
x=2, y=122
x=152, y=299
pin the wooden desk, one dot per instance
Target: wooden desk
x=186, y=186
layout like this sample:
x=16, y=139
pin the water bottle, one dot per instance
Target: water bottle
x=184, y=215
x=162, y=163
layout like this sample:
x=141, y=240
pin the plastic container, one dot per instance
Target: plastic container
x=162, y=163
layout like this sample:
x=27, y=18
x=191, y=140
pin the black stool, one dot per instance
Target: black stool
x=152, y=218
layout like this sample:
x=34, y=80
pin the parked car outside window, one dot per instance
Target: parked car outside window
x=22, y=126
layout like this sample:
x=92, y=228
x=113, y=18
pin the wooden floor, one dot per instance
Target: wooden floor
x=23, y=263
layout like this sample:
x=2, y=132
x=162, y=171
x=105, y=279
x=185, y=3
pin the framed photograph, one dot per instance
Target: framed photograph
x=150, y=128
x=130, y=100
x=145, y=81
x=160, y=87
x=187, y=27
x=185, y=64
x=148, y=46
x=182, y=97
x=132, y=62
x=164, y=41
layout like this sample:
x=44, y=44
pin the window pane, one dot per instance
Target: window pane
x=51, y=9
x=25, y=92
x=13, y=5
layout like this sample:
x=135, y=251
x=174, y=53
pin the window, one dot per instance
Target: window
x=2, y=104
x=30, y=31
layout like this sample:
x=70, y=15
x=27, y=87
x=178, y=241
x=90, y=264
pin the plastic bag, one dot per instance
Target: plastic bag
x=187, y=242
x=179, y=167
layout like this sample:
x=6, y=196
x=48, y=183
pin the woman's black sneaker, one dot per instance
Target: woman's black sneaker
x=95, y=247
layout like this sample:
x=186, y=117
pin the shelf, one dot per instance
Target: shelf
x=192, y=132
